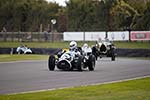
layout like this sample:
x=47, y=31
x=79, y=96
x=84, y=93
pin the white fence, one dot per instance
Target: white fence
x=76, y=36
x=118, y=36
x=83, y=36
x=94, y=36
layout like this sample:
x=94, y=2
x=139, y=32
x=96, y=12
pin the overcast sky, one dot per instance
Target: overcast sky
x=60, y=2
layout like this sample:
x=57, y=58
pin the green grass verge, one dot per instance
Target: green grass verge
x=6, y=58
x=16, y=57
x=142, y=45
x=129, y=90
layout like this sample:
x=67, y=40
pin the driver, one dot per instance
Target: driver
x=73, y=48
x=86, y=48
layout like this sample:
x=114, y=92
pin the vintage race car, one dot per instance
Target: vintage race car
x=71, y=60
x=106, y=48
x=23, y=50
x=89, y=59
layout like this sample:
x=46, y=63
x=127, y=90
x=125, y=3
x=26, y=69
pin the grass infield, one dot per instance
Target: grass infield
x=129, y=90
x=16, y=57
x=133, y=45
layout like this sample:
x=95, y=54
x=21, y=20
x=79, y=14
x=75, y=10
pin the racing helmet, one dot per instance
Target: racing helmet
x=73, y=45
x=85, y=45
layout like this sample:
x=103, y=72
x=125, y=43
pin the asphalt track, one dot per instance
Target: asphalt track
x=24, y=76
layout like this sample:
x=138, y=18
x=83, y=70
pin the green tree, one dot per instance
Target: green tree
x=26, y=15
x=142, y=22
x=122, y=15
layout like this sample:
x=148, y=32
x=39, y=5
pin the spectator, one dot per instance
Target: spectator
x=4, y=31
x=46, y=35
x=29, y=36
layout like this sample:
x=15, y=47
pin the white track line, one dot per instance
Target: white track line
x=123, y=80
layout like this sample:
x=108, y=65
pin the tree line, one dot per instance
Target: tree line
x=77, y=15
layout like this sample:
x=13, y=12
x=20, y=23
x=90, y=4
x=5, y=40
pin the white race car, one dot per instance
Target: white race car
x=23, y=50
x=70, y=60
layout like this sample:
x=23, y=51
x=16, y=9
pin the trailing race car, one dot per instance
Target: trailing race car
x=72, y=60
x=88, y=57
x=104, y=48
x=23, y=49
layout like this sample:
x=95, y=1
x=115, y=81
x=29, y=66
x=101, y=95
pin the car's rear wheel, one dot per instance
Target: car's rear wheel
x=91, y=63
x=51, y=62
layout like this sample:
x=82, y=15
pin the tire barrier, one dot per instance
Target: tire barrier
x=120, y=51
x=133, y=52
x=48, y=51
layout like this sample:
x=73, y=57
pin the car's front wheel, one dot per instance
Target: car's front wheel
x=80, y=63
x=51, y=62
x=91, y=62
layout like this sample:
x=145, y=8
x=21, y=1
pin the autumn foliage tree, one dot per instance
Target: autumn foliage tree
x=77, y=15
